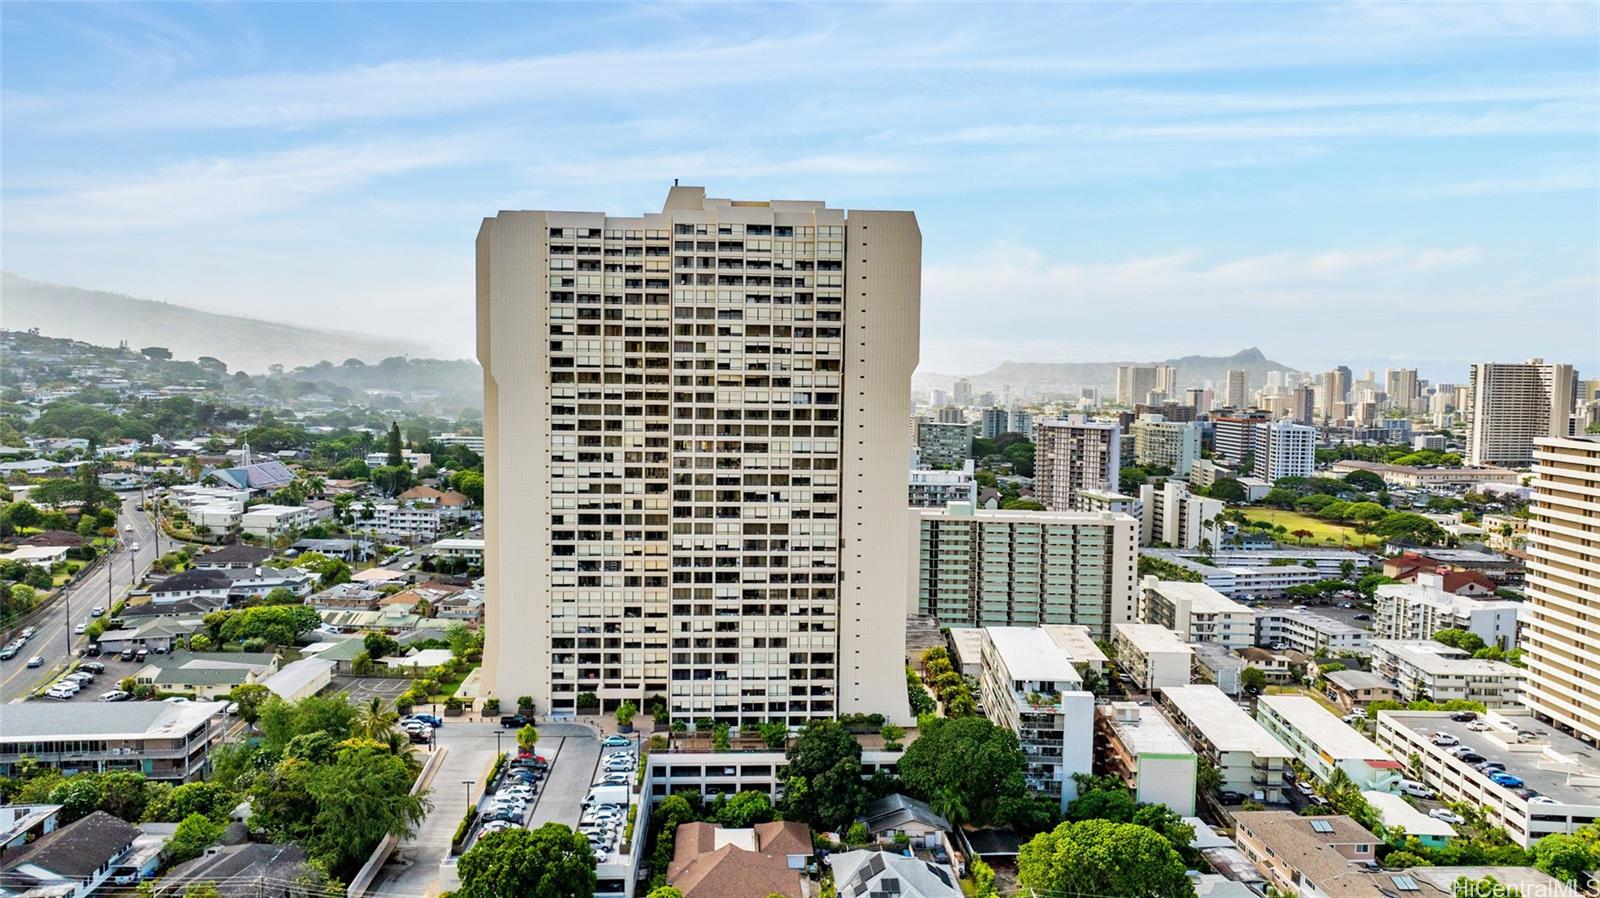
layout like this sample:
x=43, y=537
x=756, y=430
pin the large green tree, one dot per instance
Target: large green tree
x=549, y=862
x=1099, y=857
x=195, y=833
x=1567, y=857
x=822, y=782
x=978, y=763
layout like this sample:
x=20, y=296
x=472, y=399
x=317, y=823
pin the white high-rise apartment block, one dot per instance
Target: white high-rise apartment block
x=1237, y=390
x=963, y=391
x=1561, y=627
x=695, y=456
x=1166, y=381
x=1511, y=405
x=1072, y=454
x=1170, y=514
x=1134, y=383
x=1175, y=444
x=1196, y=612
x=1285, y=449
x=1024, y=568
x=934, y=488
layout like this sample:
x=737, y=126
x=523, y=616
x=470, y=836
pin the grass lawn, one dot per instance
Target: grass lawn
x=1326, y=533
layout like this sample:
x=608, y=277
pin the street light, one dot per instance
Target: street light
x=497, y=734
x=468, y=784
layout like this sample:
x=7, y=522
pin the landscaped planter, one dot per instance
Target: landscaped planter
x=453, y=712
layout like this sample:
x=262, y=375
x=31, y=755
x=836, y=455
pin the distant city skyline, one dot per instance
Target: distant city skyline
x=1376, y=185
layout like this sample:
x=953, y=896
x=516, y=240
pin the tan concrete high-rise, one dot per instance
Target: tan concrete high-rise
x=1561, y=632
x=695, y=456
x=1511, y=405
x=1073, y=454
x=1237, y=389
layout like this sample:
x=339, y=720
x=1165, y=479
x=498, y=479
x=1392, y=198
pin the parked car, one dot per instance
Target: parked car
x=1445, y=739
x=613, y=779
x=1363, y=616
x=615, y=741
x=1506, y=779
x=515, y=720
x=494, y=826
x=1478, y=726
x=1416, y=789
x=27, y=633
x=115, y=695
x=1445, y=814
x=1228, y=796
x=1541, y=799
x=1464, y=716
x=428, y=719
x=7, y=653
x=420, y=737
x=141, y=654
x=127, y=655
x=92, y=667
x=1473, y=757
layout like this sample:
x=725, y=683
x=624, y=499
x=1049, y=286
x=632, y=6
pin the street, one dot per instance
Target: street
x=54, y=640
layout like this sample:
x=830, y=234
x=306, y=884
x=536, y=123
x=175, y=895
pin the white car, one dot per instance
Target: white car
x=1478, y=726
x=1445, y=739
x=176, y=700
x=495, y=826
x=80, y=629
x=612, y=779
x=1541, y=799
x=1446, y=815
x=133, y=547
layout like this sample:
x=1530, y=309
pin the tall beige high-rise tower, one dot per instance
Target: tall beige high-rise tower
x=1511, y=405
x=1561, y=633
x=1238, y=388
x=695, y=456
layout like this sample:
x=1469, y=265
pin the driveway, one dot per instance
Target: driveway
x=413, y=868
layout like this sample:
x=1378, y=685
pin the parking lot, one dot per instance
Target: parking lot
x=116, y=670
x=360, y=690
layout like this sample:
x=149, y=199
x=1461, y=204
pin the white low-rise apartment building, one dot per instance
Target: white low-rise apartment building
x=1560, y=789
x=1322, y=742
x=1142, y=748
x=1250, y=760
x=935, y=488
x=164, y=741
x=1285, y=629
x=1170, y=514
x=1031, y=686
x=1197, y=613
x=403, y=522
x=470, y=549
x=1422, y=608
x=1154, y=656
x=272, y=521
x=1436, y=672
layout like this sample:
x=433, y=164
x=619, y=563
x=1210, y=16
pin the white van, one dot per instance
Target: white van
x=1415, y=789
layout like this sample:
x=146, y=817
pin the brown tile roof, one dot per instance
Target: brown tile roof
x=1295, y=844
x=700, y=869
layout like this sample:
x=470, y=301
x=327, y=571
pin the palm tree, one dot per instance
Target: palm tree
x=312, y=484
x=948, y=804
x=375, y=720
x=398, y=744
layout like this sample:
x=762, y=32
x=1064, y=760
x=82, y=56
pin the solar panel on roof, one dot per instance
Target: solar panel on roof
x=943, y=876
x=890, y=885
x=1321, y=826
x=1405, y=884
x=873, y=867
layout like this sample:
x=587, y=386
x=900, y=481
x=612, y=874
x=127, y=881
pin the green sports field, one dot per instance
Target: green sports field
x=1325, y=533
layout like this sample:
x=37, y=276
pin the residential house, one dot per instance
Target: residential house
x=236, y=557
x=712, y=862
x=1325, y=856
x=70, y=862
x=1352, y=689
x=898, y=814
x=866, y=872
x=250, y=870
x=22, y=823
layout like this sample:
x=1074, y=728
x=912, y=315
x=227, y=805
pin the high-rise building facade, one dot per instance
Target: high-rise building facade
x=1025, y=568
x=1172, y=515
x=962, y=391
x=1237, y=389
x=1402, y=388
x=1233, y=436
x=1561, y=626
x=695, y=456
x=1071, y=454
x=1335, y=390
x=1134, y=383
x=1285, y=449
x=1302, y=404
x=1022, y=422
x=939, y=443
x=994, y=422
x=1157, y=441
x=1166, y=381
x=1511, y=405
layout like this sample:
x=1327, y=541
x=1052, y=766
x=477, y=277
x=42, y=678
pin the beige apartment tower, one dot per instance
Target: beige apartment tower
x=695, y=456
x=1561, y=629
x=1511, y=405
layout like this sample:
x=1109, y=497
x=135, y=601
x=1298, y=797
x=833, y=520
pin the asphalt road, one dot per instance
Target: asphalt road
x=55, y=635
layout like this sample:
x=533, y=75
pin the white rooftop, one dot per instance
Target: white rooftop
x=459, y=544
x=1223, y=723
x=1440, y=659
x=1030, y=654
x=1418, y=592
x=1145, y=731
x=1152, y=638
x=1331, y=736
x=1202, y=598
x=1077, y=641
x=28, y=721
x=1396, y=812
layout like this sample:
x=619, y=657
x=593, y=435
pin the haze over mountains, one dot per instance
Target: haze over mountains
x=251, y=344
x=1193, y=370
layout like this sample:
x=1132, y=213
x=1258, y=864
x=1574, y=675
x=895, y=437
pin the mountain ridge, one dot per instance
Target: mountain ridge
x=1193, y=370
x=105, y=318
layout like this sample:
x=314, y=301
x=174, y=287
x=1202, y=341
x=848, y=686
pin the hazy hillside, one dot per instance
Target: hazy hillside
x=252, y=344
x=1193, y=370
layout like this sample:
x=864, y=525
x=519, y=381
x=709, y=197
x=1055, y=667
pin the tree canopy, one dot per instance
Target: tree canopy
x=549, y=862
x=969, y=759
x=822, y=782
x=1100, y=857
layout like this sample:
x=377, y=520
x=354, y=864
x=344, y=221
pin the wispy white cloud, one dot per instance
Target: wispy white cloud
x=200, y=191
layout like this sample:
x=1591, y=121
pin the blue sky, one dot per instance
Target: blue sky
x=1366, y=183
